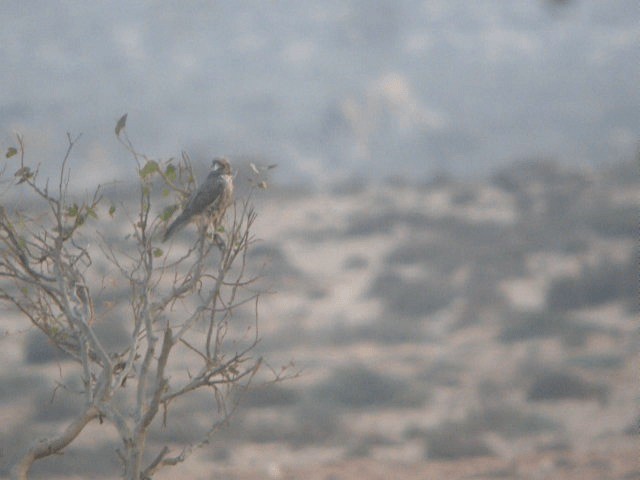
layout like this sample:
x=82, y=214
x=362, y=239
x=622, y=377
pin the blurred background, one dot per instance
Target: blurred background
x=450, y=234
x=370, y=88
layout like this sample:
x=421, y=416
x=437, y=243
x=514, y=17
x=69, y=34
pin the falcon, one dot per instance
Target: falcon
x=209, y=201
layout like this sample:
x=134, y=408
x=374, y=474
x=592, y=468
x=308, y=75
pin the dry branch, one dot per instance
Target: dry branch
x=47, y=272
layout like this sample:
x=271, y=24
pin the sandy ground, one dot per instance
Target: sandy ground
x=473, y=269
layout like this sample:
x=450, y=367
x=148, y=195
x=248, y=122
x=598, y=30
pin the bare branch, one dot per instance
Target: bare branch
x=46, y=447
x=48, y=273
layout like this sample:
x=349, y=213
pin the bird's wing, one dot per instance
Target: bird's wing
x=206, y=194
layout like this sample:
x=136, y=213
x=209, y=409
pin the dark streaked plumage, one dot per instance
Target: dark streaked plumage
x=211, y=199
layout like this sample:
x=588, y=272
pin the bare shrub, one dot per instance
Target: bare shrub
x=270, y=396
x=39, y=349
x=596, y=285
x=452, y=441
x=311, y=422
x=411, y=298
x=523, y=326
x=17, y=385
x=359, y=387
x=465, y=438
x=180, y=302
x=556, y=385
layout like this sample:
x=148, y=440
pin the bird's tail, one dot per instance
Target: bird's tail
x=177, y=224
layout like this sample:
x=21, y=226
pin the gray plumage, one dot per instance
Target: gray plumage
x=210, y=200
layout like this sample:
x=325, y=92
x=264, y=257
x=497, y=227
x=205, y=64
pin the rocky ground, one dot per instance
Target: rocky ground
x=445, y=329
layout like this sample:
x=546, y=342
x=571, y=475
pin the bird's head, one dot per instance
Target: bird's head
x=221, y=166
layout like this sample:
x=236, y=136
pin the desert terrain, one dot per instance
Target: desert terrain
x=443, y=328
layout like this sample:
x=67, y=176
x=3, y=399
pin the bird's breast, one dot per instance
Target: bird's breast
x=228, y=180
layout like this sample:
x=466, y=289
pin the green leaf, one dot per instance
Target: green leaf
x=24, y=173
x=157, y=252
x=72, y=211
x=112, y=210
x=168, y=211
x=150, y=167
x=165, y=192
x=92, y=213
x=170, y=172
x=11, y=151
x=121, y=124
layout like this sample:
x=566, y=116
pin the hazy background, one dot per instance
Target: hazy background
x=486, y=315
x=328, y=89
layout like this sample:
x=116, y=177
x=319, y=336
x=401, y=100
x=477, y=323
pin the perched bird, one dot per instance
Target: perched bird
x=210, y=200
